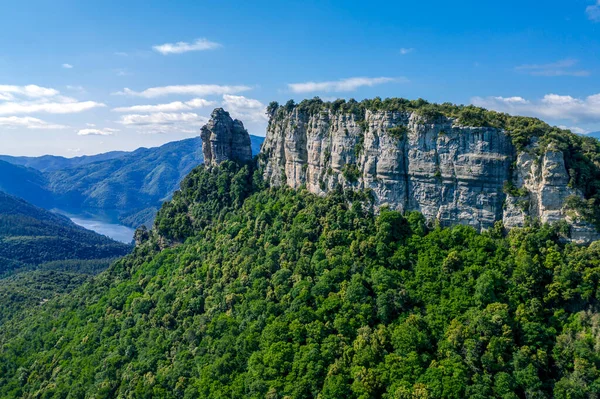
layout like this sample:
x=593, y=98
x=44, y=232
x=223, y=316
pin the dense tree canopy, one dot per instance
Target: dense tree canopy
x=277, y=293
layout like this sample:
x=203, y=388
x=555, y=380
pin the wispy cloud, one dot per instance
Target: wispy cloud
x=67, y=66
x=195, y=90
x=7, y=92
x=62, y=107
x=31, y=99
x=28, y=122
x=246, y=109
x=170, y=107
x=161, y=118
x=593, y=12
x=560, y=68
x=79, y=89
x=551, y=106
x=575, y=129
x=184, y=47
x=343, y=85
x=405, y=50
x=97, y=132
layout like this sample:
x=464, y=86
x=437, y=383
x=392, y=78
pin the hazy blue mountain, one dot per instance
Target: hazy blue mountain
x=48, y=163
x=594, y=134
x=131, y=184
x=26, y=183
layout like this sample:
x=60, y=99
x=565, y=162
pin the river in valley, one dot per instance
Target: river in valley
x=101, y=224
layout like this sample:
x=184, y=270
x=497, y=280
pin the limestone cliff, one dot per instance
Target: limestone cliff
x=449, y=172
x=224, y=138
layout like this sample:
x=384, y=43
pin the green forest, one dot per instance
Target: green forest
x=31, y=236
x=245, y=291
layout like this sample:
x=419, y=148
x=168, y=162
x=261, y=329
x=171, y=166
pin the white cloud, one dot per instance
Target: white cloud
x=246, y=109
x=551, y=106
x=349, y=84
x=7, y=92
x=575, y=129
x=162, y=118
x=28, y=122
x=97, y=132
x=170, y=107
x=593, y=12
x=67, y=66
x=31, y=99
x=184, y=47
x=405, y=50
x=196, y=90
x=560, y=68
x=80, y=89
x=75, y=150
x=61, y=107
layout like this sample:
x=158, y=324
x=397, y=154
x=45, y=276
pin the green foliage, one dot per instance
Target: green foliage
x=359, y=146
x=205, y=197
x=22, y=293
x=31, y=236
x=398, y=132
x=510, y=189
x=281, y=293
x=587, y=210
x=351, y=172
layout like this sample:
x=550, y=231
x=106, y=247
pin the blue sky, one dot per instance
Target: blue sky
x=74, y=75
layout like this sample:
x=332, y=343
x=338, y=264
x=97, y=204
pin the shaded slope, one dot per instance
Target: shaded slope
x=25, y=183
x=31, y=236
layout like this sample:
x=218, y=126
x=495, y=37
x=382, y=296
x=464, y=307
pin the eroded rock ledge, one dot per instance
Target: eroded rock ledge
x=449, y=172
x=224, y=138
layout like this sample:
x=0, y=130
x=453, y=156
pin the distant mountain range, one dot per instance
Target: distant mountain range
x=49, y=163
x=593, y=134
x=131, y=184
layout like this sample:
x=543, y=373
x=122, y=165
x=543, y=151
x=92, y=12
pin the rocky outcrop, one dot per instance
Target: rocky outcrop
x=543, y=188
x=450, y=173
x=224, y=138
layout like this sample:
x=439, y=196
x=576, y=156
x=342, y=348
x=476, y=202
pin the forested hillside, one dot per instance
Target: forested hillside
x=26, y=183
x=278, y=293
x=31, y=236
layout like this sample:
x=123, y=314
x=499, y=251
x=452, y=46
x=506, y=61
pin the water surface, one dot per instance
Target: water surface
x=102, y=224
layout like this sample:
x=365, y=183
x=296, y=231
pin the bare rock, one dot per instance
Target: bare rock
x=224, y=138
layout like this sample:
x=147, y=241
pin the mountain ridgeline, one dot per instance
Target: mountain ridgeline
x=132, y=185
x=454, y=164
x=250, y=285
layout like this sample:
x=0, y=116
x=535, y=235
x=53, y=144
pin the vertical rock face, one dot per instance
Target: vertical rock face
x=451, y=173
x=224, y=138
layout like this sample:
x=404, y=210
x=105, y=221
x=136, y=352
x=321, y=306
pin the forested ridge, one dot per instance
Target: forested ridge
x=245, y=291
x=31, y=236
